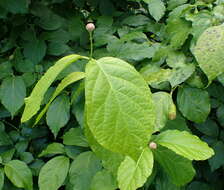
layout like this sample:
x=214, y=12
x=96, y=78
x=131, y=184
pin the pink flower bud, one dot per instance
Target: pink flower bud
x=90, y=27
x=153, y=145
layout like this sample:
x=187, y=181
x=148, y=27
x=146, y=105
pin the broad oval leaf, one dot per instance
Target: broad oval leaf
x=71, y=78
x=19, y=174
x=178, y=168
x=193, y=103
x=83, y=169
x=58, y=114
x=156, y=8
x=33, y=102
x=132, y=174
x=12, y=93
x=118, y=102
x=53, y=173
x=53, y=148
x=209, y=51
x=185, y=144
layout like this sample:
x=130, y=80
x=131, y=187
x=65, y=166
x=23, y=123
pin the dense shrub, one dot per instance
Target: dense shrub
x=176, y=46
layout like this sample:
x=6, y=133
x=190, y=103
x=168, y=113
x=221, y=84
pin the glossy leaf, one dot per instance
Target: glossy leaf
x=113, y=80
x=132, y=174
x=33, y=102
x=19, y=174
x=185, y=144
x=53, y=173
x=54, y=148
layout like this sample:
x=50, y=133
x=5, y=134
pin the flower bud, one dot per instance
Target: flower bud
x=172, y=112
x=152, y=145
x=90, y=27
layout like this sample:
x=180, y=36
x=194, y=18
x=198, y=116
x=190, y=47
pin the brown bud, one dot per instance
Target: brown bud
x=152, y=145
x=90, y=27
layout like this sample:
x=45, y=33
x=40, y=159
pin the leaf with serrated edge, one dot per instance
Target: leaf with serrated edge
x=185, y=144
x=131, y=174
x=33, y=102
x=131, y=113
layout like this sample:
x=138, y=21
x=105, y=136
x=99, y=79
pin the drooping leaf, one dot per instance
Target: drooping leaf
x=178, y=168
x=71, y=78
x=132, y=174
x=208, y=51
x=75, y=137
x=217, y=160
x=162, y=102
x=103, y=180
x=58, y=114
x=156, y=8
x=193, y=103
x=19, y=174
x=53, y=148
x=132, y=112
x=185, y=144
x=53, y=173
x=83, y=169
x=12, y=93
x=33, y=102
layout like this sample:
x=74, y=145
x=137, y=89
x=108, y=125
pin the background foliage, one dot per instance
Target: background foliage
x=157, y=37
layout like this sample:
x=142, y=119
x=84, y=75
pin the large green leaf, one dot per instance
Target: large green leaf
x=12, y=93
x=83, y=169
x=58, y=114
x=53, y=173
x=33, y=102
x=19, y=174
x=163, y=103
x=103, y=180
x=132, y=174
x=185, y=144
x=1, y=178
x=118, y=102
x=156, y=8
x=209, y=51
x=71, y=78
x=178, y=168
x=193, y=103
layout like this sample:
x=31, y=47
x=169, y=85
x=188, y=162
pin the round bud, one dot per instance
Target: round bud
x=172, y=112
x=90, y=27
x=152, y=145
x=172, y=116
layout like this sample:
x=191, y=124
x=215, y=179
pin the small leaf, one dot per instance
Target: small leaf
x=53, y=173
x=156, y=8
x=103, y=180
x=19, y=174
x=178, y=168
x=193, y=103
x=131, y=174
x=54, y=148
x=209, y=51
x=163, y=103
x=185, y=144
x=12, y=93
x=83, y=169
x=58, y=114
x=33, y=102
x=132, y=112
x=75, y=137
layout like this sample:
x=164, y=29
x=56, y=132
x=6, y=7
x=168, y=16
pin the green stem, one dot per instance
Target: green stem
x=91, y=44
